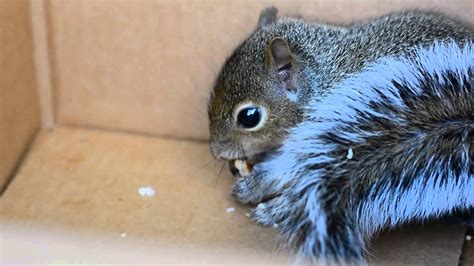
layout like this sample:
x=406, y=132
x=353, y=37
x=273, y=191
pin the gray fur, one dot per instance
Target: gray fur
x=369, y=90
x=323, y=55
x=410, y=125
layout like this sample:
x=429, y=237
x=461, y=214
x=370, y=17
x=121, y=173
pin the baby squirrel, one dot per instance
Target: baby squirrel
x=346, y=130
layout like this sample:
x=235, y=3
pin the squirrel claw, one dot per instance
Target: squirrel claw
x=268, y=213
x=246, y=190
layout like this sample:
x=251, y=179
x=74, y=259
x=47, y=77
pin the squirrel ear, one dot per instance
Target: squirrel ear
x=279, y=59
x=267, y=16
x=280, y=54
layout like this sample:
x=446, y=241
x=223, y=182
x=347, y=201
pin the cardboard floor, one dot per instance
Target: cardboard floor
x=467, y=256
x=75, y=199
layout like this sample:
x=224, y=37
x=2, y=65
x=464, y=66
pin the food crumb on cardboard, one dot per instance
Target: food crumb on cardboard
x=350, y=154
x=468, y=238
x=146, y=191
x=231, y=209
x=275, y=225
x=124, y=234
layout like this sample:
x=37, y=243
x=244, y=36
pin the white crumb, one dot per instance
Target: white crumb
x=350, y=154
x=231, y=209
x=468, y=238
x=124, y=234
x=275, y=225
x=146, y=191
x=247, y=215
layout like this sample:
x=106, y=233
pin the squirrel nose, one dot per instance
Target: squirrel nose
x=215, y=151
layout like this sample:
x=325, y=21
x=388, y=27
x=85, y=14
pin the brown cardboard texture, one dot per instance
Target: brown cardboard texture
x=19, y=113
x=124, y=85
x=79, y=190
x=148, y=66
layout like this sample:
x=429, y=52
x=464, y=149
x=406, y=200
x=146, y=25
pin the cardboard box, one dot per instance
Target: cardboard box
x=100, y=98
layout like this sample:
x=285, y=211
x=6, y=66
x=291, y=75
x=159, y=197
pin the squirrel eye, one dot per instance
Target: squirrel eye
x=250, y=117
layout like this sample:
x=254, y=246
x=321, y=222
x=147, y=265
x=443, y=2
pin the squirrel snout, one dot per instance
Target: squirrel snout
x=218, y=151
x=215, y=151
x=222, y=151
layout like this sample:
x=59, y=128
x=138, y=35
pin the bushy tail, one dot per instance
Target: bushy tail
x=415, y=137
x=389, y=145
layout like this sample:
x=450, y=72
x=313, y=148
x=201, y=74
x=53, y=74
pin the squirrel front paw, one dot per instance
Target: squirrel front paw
x=246, y=190
x=270, y=213
x=247, y=187
x=252, y=184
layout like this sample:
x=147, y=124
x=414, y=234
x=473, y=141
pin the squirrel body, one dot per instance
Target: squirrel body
x=320, y=55
x=349, y=129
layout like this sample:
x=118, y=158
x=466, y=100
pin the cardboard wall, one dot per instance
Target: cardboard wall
x=148, y=66
x=143, y=66
x=19, y=112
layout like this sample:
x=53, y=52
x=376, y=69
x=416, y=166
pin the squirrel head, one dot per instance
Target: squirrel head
x=259, y=93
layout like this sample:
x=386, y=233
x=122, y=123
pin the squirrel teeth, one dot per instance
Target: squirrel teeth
x=245, y=168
